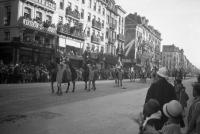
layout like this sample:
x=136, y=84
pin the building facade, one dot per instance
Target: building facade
x=98, y=24
x=27, y=34
x=142, y=42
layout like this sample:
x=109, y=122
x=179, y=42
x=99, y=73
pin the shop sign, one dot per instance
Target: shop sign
x=38, y=26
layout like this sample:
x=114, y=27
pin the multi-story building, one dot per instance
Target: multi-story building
x=171, y=57
x=120, y=31
x=27, y=34
x=90, y=26
x=142, y=41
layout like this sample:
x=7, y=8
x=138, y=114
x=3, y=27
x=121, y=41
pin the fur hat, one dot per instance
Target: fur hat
x=150, y=107
x=172, y=109
x=162, y=72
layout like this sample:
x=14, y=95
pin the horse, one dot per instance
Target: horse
x=72, y=79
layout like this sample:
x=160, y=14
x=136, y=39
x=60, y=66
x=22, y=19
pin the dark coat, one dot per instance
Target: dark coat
x=162, y=91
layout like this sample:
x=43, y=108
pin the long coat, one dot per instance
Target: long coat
x=61, y=69
x=162, y=91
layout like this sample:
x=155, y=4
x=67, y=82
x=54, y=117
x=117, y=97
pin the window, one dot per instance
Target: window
x=119, y=20
x=7, y=15
x=95, y=6
x=93, y=32
x=99, y=10
x=83, y=1
x=61, y=4
x=103, y=23
x=69, y=5
x=60, y=19
x=49, y=18
x=94, y=17
x=82, y=14
x=102, y=36
x=89, y=16
x=103, y=11
x=88, y=32
x=107, y=19
x=107, y=33
x=76, y=8
x=27, y=13
x=38, y=16
x=90, y=3
x=7, y=35
x=99, y=20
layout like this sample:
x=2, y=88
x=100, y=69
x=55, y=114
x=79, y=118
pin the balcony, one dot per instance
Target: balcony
x=48, y=4
x=46, y=26
x=112, y=25
x=96, y=24
x=112, y=9
x=73, y=14
x=73, y=32
x=95, y=39
x=121, y=37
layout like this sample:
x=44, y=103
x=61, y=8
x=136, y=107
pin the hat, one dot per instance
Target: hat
x=151, y=106
x=162, y=72
x=172, y=109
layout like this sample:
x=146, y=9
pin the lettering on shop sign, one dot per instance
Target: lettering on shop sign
x=38, y=26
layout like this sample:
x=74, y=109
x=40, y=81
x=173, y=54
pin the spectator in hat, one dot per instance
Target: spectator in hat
x=173, y=111
x=194, y=111
x=161, y=90
x=153, y=117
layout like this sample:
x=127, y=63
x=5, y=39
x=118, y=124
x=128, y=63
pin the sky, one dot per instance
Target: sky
x=177, y=20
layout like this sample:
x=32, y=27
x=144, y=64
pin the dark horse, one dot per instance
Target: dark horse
x=73, y=77
x=85, y=74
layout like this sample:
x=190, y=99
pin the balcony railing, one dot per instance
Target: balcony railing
x=74, y=14
x=112, y=25
x=74, y=32
x=112, y=9
x=95, y=39
x=121, y=37
x=96, y=24
x=51, y=4
x=45, y=26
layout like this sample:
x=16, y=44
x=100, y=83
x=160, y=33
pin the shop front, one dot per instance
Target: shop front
x=35, y=44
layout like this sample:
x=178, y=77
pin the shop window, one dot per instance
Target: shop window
x=7, y=35
x=61, y=4
x=38, y=16
x=7, y=17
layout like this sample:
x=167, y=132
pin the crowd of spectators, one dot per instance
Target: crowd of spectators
x=23, y=73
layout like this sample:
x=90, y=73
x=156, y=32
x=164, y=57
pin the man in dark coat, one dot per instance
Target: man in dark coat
x=162, y=91
x=52, y=67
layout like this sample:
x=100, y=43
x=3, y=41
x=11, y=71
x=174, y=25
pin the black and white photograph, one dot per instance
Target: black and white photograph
x=99, y=66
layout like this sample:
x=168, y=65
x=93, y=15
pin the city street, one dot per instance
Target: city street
x=31, y=108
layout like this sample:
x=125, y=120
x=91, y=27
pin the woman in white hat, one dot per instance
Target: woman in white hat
x=173, y=110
